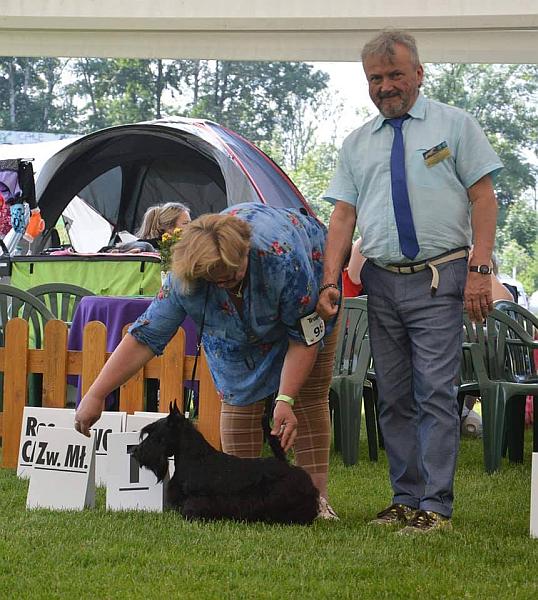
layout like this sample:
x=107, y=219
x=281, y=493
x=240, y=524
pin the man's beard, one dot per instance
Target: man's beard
x=392, y=109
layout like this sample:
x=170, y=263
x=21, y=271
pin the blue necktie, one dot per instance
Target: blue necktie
x=400, y=197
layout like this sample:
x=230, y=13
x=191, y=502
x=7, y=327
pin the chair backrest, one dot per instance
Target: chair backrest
x=511, y=331
x=353, y=346
x=61, y=299
x=18, y=303
x=519, y=357
x=473, y=333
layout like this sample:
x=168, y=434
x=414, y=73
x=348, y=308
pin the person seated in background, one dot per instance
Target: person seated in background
x=351, y=275
x=160, y=219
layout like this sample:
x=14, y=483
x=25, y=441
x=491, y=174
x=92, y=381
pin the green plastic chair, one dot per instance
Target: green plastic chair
x=18, y=303
x=61, y=299
x=519, y=367
x=468, y=384
x=352, y=361
x=497, y=388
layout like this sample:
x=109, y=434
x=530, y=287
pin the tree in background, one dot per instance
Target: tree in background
x=31, y=95
x=517, y=241
x=312, y=177
x=504, y=100
x=120, y=91
x=256, y=99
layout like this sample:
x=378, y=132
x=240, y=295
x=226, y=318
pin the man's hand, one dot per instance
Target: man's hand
x=88, y=413
x=284, y=425
x=327, y=305
x=478, y=298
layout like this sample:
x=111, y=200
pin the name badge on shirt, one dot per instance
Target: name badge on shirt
x=436, y=154
x=313, y=328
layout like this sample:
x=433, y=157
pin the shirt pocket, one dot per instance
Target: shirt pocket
x=419, y=174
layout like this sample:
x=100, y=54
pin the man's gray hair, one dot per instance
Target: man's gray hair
x=383, y=45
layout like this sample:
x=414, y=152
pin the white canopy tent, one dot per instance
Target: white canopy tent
x=492, y=31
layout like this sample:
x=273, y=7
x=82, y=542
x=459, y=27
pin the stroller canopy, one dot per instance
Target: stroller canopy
x=121, y=171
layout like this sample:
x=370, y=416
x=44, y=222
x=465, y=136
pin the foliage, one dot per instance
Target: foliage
x=31, y=95
x=513, y=258
x=517, y=242
x=116, y=555
x=166, y=245
x=256, y=98
x=529, y=276
x=504, y=99
x=521, y=264
x=521, y=225
x=312, y=177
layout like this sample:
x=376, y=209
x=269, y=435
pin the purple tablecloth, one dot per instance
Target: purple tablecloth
x=116, y=312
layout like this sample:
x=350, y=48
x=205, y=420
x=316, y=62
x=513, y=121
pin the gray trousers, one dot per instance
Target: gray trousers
x=416, y=344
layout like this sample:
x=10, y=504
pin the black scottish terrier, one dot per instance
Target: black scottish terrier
x=208, y=484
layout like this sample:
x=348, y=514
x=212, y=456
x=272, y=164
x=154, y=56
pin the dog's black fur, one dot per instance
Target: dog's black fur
x=208, y=484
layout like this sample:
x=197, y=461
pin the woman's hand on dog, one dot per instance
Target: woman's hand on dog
x=284, y=425
x=88, y=413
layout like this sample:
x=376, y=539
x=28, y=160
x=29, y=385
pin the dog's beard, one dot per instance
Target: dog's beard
x=155, y=460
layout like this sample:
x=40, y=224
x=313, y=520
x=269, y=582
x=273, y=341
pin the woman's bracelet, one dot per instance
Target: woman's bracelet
x=326, y=286
x=287, y=399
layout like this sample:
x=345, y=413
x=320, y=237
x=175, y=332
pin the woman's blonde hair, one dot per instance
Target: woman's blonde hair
x=211, y=243
x=160, y=219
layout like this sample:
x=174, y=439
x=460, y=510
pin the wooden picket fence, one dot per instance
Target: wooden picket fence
x=56, y=362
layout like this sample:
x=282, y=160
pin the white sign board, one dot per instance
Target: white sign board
x=141, y=419
x=534, y=495
x=110, y=422
x=63, y=472
x=130, y=486
x=33, y=419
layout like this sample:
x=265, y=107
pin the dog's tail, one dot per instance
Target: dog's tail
x=272, y=440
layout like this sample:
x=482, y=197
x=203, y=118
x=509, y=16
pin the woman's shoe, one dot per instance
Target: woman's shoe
x=325, y=510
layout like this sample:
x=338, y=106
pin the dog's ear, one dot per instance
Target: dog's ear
x=174, y=410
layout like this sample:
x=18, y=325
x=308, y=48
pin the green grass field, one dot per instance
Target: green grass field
x=96, y=554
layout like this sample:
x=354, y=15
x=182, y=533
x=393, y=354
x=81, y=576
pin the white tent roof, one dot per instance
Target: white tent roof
x=492, y=31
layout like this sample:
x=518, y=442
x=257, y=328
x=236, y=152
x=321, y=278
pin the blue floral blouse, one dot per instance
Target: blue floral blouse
x=246, y=353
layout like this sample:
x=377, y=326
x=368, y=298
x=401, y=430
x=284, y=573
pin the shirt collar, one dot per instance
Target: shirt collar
x=417, y=111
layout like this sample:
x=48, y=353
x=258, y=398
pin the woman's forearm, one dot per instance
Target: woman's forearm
x=126, y=360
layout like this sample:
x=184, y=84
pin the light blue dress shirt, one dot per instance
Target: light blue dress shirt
x=246, y=352
x=437, y=193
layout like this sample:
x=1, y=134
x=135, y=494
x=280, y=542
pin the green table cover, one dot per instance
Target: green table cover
x=105, y=275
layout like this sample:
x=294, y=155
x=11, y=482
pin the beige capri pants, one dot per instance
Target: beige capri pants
x=240, y=426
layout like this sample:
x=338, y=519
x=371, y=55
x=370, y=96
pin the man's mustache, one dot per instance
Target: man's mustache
x=383, y=95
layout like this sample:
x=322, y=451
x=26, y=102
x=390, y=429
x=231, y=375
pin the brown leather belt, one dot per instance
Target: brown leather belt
x=428, y=264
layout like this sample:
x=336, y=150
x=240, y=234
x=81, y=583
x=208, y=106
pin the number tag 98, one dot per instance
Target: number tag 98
x=313, y=328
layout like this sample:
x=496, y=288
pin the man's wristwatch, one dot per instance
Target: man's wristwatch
x=482, y=269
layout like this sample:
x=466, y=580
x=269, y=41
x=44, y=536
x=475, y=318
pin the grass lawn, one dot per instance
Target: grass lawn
x=95, y=554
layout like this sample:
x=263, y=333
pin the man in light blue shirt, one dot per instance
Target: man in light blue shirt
x=417, y=179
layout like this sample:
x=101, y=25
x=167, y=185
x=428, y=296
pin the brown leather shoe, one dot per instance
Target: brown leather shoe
x=395, y=514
